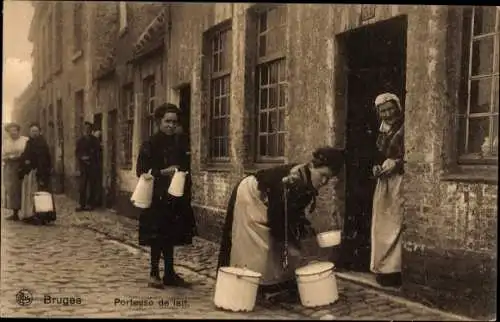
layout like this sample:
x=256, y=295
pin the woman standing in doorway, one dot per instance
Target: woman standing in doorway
x=254, y=231
x=13, y=147
x=167, y=223
x=36, y=170
x=387, y=201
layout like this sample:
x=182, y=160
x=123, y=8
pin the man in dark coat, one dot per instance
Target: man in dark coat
x=88, y=156
x=169, y=221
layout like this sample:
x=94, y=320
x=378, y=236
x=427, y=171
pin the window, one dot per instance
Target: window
x=149, y=90
x=220, y=90
x=128, y=123
x=271, y=84
x=122, y=8
x=478, y=115
x=59, y=36
x=77, y=26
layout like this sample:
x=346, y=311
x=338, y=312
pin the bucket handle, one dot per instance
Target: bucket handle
x=246, y=278
x=324, y=277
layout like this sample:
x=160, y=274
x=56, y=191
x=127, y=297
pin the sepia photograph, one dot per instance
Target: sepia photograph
x=279, y=161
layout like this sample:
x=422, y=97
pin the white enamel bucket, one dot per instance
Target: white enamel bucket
x=176, y=187
x=236, y=289
x=329, y=238
x=143, y=193
x=317, y=284
x=43, y=202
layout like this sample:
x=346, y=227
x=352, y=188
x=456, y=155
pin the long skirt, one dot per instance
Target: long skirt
x=12, y=185
x=29, y=187
x=252, y=245
x=169, y=222
x=387, y=226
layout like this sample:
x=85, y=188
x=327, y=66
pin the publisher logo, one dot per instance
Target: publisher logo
x=24, y=297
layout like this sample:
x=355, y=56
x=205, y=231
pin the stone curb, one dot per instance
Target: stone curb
x=186, y=265
x=207, y=270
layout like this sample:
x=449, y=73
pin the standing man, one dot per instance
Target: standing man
x=87, y=154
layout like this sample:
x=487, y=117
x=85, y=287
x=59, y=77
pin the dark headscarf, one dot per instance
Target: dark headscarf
x=36, y=155
x=330, y=157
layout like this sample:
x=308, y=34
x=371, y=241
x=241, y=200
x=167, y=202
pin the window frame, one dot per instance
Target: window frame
x=149, y=82
x=469, y=37
x=220, y=75
x=266, y=61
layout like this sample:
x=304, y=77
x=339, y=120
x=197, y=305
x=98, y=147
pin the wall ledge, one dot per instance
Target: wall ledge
x=471, y=174
x=216, y=167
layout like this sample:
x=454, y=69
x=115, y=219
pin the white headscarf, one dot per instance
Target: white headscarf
x=387, y=97
x=384, y=98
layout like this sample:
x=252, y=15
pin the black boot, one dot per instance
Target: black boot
x=14, y=216
x=155, y=282
x=389, y=280
x=80, y=209
x=172, y=279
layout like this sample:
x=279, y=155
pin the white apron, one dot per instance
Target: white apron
x=387, y=226
x=30, y=186
x=252, y=246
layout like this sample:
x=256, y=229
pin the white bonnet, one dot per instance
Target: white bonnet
x=387, y=97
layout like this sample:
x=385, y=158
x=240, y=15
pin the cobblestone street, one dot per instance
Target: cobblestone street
x=92, y=257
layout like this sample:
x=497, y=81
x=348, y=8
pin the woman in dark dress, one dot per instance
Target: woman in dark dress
x=35, y=171
x=169, y=221
x=254, y=231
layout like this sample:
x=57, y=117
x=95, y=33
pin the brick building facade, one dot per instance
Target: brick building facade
x=263, y=85
x=129, y=82
x=61, y=64
x=321, y=68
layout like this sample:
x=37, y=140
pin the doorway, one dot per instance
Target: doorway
x=60, y=146
x=375, y=58
x=98, y=127
x=111, y=145
x=185, y=106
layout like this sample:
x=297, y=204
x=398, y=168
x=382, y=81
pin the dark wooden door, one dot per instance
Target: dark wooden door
x=185, y=106
x=59, y=155
x=99, y=193
x=376, y=64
